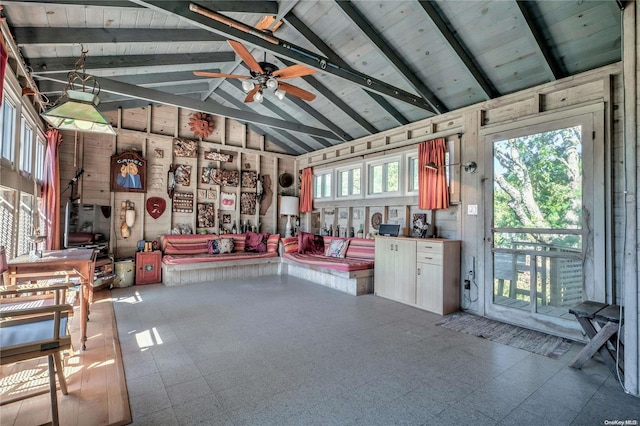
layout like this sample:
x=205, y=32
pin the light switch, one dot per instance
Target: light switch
x=472, y=210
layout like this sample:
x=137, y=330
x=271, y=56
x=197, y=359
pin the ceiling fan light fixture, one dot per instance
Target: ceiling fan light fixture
x=272, y=83
x=247, y=85
x=258, y=97
x=280, y=94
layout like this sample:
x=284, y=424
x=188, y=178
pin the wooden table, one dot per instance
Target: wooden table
x=77, y=263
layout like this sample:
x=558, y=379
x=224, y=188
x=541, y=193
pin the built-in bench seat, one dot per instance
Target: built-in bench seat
x=352, y=274
x=186, y=259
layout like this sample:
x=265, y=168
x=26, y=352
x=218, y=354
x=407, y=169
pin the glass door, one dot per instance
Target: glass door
x=541, y=242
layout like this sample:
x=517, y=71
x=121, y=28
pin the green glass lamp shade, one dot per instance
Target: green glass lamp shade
x=78, y=112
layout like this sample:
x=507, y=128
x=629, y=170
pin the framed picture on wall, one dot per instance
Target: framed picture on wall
x=128, y=172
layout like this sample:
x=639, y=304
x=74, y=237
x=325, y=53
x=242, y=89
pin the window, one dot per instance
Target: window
x=412, y=167
x=25, y=224
x=39, y=166
x=322, y=185
x=7, y=214
x=26, y=147
x=384, y=177
x=8, y=129
x=349, y=182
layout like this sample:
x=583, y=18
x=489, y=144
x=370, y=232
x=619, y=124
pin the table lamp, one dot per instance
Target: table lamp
x=289, y=207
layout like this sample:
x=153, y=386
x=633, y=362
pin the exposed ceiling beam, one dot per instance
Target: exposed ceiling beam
x=284, y=49
x=258, y=7
x=390, y=53
x=335, y=99
x=550, y=63
x=45, y=65
x=459, y=49
x=258, y=129
x=279, y=111
x=162, y=78
x=306, y=32
x=152, y=95
x=45, y=35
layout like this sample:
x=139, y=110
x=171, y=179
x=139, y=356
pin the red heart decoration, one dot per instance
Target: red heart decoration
x=156, y=206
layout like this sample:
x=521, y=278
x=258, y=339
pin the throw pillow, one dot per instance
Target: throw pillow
x=212, y=247
x=310, y=243
x=337, y=248
x=256, y=243
x=225, y=245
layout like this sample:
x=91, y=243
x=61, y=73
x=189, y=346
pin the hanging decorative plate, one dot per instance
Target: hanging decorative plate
x=201, y=124
x=156, y=206
x=376, y=220
x=285, y=180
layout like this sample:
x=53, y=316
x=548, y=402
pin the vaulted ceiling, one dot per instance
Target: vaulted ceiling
x=380, y=64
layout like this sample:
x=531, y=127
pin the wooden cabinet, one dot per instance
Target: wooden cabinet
x=421, y=272
x=438, y=275
x=148, y=268
x=394, y=274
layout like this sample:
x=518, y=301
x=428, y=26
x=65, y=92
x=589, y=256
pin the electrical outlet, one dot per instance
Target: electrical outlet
x=467, y=285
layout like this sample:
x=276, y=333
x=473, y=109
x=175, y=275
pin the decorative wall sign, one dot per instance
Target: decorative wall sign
x=156, y=177
x=227, y=201
x=206, y=215
x=185, y=148
x=128, y=172
x=210, y=176
x=249, y=179
x=183, y=202
x=226, y=218
x=201, y=124
x=156, y=206
x=212, y=194
x=247, y=203
x=158, y=153
x=202, y=194
x=217, y=156
x=229, y=177
x=183, y=175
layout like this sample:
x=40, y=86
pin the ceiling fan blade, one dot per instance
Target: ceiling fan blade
x=249, y=97
x=217, y=74
x=294, y=71
x=246, y=56
x=266, y=22
x=296, y=91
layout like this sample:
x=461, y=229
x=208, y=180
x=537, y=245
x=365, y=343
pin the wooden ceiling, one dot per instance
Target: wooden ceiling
x=380, y=64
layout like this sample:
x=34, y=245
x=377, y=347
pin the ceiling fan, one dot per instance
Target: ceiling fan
x=265, y=75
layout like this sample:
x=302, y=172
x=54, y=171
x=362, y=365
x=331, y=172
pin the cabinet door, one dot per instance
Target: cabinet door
x=384, y=272
x=404, y=273
x=429, y=287
x=148, y=269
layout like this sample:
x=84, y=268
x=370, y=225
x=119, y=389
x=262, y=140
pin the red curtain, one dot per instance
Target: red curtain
x=433, y=191
x=4, y=55
x=306, y=190
x=51, y=189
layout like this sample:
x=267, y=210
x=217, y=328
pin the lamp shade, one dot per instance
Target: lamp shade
x=289, y=205
x=78, y=112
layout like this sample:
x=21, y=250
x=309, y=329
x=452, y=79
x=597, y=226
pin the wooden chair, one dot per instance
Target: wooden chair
x=33, y=324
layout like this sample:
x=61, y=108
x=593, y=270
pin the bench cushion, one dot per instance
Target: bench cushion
x=183, y=259
x=341, y=264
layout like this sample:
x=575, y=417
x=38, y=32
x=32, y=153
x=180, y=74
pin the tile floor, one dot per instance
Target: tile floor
x=284, y=351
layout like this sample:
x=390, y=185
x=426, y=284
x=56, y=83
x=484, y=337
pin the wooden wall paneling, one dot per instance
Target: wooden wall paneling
x=157, y=169
x=576, y=95
x=223, y=130
x=164, y=119
x=135, y=119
